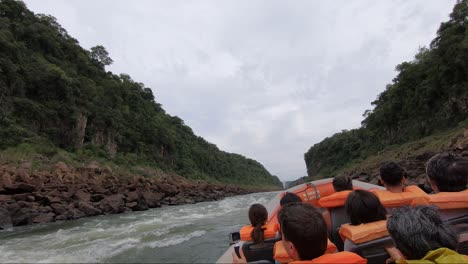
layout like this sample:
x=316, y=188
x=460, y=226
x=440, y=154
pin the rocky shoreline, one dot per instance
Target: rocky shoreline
x=67, y=193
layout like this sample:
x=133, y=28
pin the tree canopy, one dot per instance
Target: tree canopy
x=429, y=94
x=53, y=90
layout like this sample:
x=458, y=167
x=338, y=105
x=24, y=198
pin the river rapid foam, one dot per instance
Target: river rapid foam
x=178, y=234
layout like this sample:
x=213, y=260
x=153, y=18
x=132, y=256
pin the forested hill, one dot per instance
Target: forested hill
x=429, y=95
x=57, y=100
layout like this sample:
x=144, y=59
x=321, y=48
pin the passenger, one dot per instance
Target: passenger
x=422, y=237
x=342, y=183
x=447, y=172
x=258, y=216
x=279, y=253
x=304, y=236
x=448, y=175
x=342, y=186
x=290, y=198
x=392, y=177
x=257, y=232
x=364, y=207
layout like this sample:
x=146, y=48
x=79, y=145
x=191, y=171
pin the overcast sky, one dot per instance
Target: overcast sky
x=265, y=79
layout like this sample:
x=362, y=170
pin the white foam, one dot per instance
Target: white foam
x=175, y=240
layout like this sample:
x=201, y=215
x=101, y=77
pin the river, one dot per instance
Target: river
x=196, y=233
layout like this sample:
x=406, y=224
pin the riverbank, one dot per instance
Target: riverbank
x=66, y=193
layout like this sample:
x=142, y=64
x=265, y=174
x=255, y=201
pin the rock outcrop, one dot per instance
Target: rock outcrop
x=66, y=193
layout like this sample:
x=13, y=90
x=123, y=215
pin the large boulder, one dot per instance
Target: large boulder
x=18, y=188
x=152, y=198
x=5, y=219
x=59, y=209
x=88, y=209
x=82, y=196
x=112, y=204
x=5, y=198
x=44, y=218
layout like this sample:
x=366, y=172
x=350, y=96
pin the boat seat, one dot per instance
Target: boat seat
x=462, y=231
x=454, y=216
x=338, y=217
x=374, y=250
x=253, y=252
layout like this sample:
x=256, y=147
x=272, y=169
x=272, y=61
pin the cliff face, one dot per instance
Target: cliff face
x=56, y=96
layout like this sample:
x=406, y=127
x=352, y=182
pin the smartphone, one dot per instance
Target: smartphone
x=236, y=249
x=234, y=237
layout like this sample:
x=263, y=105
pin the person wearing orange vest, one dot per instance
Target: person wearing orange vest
x=342, y=185
x=447, y=172
x=392, y=177
x=258, y=230
x=422, y=237
x=304, y=236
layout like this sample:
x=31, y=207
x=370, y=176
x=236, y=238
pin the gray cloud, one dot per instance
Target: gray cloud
x=266, y=79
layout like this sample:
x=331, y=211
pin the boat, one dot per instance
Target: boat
x=310, y=192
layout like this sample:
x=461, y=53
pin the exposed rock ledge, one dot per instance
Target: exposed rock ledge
x=64, y=193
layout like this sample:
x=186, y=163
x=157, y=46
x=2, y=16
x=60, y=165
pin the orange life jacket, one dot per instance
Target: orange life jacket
x=450, y=200
x=364, y=232
x=269, y=231
x=339, y=257
x=280, y=254
x=412, y=195
x=335, y=200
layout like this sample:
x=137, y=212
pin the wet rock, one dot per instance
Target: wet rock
x=59, y=209
x=19, y=188
x=132, y=197
x=99, y=189
x=23, y=197
x=97, y=197
x=112, y=204
x=88, y=209
x=23, y=216
x=44, y=218
x=82, y=196
x=61, y=217
x=152, y=198
x=5, y=219
x=5, y=198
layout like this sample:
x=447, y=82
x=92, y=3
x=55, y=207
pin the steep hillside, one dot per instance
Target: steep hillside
x=428, y=97
x=58, y=103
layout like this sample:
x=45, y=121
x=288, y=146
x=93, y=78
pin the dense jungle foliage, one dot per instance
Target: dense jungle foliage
x=55, y=95
x=429, y=95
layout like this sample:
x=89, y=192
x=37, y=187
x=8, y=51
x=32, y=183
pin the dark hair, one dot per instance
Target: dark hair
x=303, y=225
x=364, y=207
x=448, y=171
x=258, y=216
x=418, y=230
x=290, y=198
x=391, y=174
x=342, y=183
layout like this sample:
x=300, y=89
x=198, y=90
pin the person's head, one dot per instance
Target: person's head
x=342, y=183
x=447, y=172
x=392, y=175
x=417, y=230
x=258, y=215
x=304, y=232
x=290, y=198
x=364, y=207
